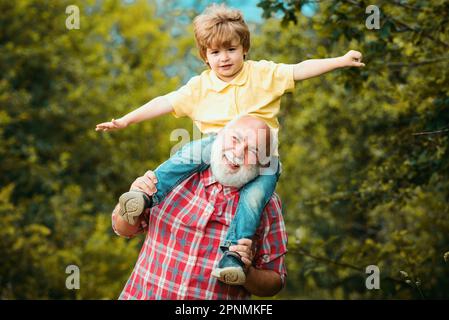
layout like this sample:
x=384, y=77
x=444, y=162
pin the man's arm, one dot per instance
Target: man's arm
x=263, y=283
x=146, y=184
x=315, y=67
x=260, y=282
x=123, y=228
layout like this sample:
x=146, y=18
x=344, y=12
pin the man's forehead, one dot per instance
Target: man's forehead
x=247, y=132
x=254, y=137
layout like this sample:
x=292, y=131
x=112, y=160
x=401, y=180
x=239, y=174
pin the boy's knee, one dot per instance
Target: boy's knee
x=189, y=153
x=255, y=198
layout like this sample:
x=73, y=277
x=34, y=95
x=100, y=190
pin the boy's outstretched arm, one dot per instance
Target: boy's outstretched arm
x=155, y=108
x=315, y=67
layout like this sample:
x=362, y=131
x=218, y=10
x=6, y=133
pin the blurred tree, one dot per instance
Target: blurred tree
x=366, y=151
x=59, y=178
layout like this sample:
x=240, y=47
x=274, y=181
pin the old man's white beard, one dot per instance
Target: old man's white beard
x=224, y=174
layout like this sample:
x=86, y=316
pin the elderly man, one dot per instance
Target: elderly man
x=177, y=258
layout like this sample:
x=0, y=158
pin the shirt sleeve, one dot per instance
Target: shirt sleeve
x=185, y=98
x=271, y=240
x=277, y=77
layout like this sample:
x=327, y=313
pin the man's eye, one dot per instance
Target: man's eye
x=235, y=140
x=231, y=49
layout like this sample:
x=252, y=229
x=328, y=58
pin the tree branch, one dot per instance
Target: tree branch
x=415, y=30
x=403, y=24
x=443, y=130
x=340, y=264
x=417, y=63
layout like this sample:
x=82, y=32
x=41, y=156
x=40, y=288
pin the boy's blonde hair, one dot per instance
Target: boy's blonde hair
x=218, y=26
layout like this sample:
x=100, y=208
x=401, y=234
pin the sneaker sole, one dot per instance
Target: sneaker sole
x=230, y=275
x=132, y=204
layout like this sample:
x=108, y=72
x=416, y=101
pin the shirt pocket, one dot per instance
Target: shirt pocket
x=222, y=213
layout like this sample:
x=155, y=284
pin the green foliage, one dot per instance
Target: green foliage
x=59, y=178
x=361, y=187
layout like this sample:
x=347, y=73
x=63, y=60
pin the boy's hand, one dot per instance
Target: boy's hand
x=352, y=59
x=112, y=125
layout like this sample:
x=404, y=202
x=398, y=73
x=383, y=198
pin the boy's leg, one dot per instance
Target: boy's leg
x=191, y=158
x=253, y=198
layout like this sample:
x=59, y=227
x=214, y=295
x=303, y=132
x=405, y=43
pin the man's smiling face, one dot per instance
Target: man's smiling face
x=239, y=148
x=234, y=158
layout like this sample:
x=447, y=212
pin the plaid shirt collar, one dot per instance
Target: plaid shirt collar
x=209, y=179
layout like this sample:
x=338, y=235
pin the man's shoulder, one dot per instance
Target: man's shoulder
x=274, y=206
x=275, y=198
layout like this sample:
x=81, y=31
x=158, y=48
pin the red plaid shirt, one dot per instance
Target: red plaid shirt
x=182, y=243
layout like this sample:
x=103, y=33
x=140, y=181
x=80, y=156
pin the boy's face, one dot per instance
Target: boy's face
x=226, y=61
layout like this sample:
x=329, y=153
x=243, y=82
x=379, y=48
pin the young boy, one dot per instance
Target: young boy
x=229, y=88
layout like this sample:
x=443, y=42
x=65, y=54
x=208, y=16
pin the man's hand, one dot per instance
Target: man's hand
x=245, y=249
x=352, y=59
x=143, y=219
x=111, y=125
x=145, y=183
x=124, y=229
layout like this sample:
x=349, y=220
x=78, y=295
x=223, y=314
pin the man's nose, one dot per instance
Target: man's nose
x=239, y=150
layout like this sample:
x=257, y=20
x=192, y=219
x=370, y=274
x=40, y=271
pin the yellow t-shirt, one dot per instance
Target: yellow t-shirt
x=211, y=102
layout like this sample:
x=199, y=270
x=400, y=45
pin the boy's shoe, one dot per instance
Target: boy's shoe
x=230, y=269
x=132, y=204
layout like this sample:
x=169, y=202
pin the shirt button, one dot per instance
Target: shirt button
x=210, y=208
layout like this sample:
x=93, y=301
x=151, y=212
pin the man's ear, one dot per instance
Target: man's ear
x=266, y=157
